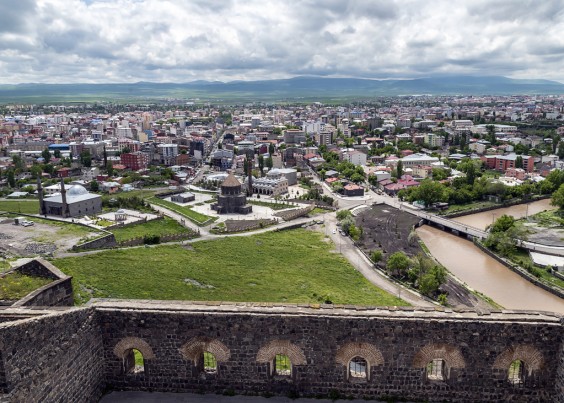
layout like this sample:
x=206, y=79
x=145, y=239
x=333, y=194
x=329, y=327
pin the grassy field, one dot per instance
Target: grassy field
x=15, y=285
x=20, y=206
x=288, y=266
x=166, y=226
x=194, y=216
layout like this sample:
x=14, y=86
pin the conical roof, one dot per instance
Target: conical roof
x=231, y=181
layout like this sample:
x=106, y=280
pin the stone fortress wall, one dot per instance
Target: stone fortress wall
x=77, y=354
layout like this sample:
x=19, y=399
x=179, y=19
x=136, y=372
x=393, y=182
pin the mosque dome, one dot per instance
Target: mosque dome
x=77, y=190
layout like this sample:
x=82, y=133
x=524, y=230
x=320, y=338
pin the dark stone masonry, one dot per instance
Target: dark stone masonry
x=76, y=354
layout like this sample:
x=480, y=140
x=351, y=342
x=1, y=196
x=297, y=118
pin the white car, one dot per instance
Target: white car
x=27, y=223
x=334, y=231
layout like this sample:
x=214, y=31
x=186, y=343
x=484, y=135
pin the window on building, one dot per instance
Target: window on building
x=516, y=373
x=282, y=365
x=358, y=368
x=134, y=362
x=436, y=370
x=209, y=363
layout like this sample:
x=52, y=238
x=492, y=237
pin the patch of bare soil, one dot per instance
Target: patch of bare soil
x=390, y=230
x=39, y=239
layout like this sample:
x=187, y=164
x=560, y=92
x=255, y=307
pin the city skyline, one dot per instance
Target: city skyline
x=117, y=41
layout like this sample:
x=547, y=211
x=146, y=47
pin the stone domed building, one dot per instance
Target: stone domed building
x=231, y=200
x=75, y=202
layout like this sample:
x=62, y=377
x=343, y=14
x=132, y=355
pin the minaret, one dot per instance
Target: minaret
x=65, y=213
x=40, y=194
x=250, y=177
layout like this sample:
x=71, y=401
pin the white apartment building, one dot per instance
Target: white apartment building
x=168, y=153
x=355, y=157
x=434, y=140
x=418, y=159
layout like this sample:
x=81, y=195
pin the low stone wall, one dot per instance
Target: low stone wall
x=247, y=225
x=162, y=239
x=289, y=215
x=520, y=271
x=107, y=241
x=57, y=293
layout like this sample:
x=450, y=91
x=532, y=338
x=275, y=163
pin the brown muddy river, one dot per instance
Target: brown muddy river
x=486, y=275
x=482, y=220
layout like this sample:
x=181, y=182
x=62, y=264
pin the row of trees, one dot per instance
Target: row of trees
x=420, y=271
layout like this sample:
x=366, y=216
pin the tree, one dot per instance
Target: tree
x=502, y=224
x=376, y=256
x=342, y=214
x=110, y=168
x=519, y=162
x=261, y=164
x=269, y=163
x=46, y=155
x=399, y=169
x=94, y=186
x=11, y=178
x=398, y=264
x=271, y=148
x=86, y=158
x=558, y=198
x=429, y=192
x=35, y=171
x=57, y=153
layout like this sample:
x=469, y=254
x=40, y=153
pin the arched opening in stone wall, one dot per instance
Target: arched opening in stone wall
x=516, y=373
x=358, y=369
x=436, y=370
x=209, y=363
x=282, y=366
x=133, y=362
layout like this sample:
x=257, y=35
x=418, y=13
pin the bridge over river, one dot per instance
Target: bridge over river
x=463, y=229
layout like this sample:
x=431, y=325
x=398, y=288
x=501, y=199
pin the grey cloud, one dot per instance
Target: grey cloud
x=151, y=40
x=15, y=15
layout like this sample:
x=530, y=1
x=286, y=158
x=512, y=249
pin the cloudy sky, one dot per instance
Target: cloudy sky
x=69, y=41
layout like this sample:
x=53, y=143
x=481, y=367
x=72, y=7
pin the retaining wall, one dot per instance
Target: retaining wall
x=529, y=277
x=57, y=293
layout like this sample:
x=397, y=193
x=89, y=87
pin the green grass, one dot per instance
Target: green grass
x=550, y=218
x=20, y=206
x=15, y=285
x=141, y=193
x=521, y=256
x=273, y=206
x=166, y=226
x=194, y=216
x=457, y=208
x=288, y=266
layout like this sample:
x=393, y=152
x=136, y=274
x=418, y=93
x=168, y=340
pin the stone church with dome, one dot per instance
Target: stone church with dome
x=231, y=200
x=75, y=202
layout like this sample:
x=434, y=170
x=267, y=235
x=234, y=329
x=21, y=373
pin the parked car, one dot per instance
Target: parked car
x=27, y=223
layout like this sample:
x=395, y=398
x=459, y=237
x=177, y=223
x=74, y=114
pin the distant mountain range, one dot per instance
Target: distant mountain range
x=297, y=88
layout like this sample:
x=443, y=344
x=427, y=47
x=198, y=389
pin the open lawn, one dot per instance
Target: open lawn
x=287, y=266
x=20, y=206
x=194, y=216
x=15, y=285
x=166, y=226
